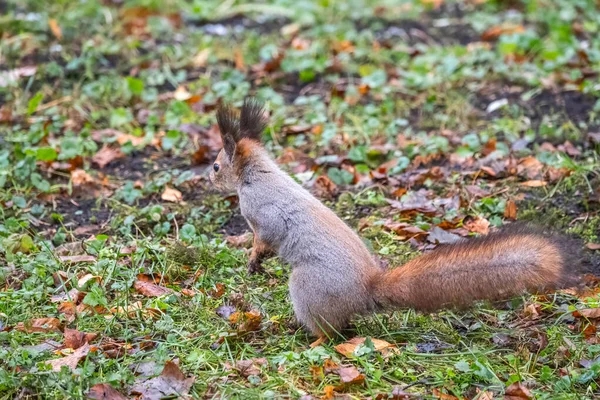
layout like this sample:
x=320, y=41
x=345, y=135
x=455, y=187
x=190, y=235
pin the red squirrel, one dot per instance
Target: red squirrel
x=334, y=276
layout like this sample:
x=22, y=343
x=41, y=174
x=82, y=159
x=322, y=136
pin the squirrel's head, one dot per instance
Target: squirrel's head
x=240, y=134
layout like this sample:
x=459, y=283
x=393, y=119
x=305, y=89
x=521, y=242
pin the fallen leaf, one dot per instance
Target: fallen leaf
x=591, y=313
x=150, y=289
x=48, y=345
x=77, y=259
x=324, y=187
x=347, y=348
x=39, y=325
x=484, y=395
x=74, y=295
x=12, y=76
x=241, y=241
x=530, y=168
x=71, y=360
x=495, y=32
x=443, y=396
x=439, y=236
x=55, y=28
x=171, y=382
x=172, y=195
x=201, y=58
x=351, y=376
x=83, y=281
x=246, y=321
x=106, y=155
x=593, y=246
x=517, y=391
x=534, y=183
x=510, y=210
x=74, y=339
x=79, y=177
x=247, y=368
x=225, y=311
x=104, y=391
x=478, y=225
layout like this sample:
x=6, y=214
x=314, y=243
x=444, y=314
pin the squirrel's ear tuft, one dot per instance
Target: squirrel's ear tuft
x=229, y=127
x=252, y=119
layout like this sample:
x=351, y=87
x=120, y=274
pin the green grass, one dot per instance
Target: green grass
x=104, y=105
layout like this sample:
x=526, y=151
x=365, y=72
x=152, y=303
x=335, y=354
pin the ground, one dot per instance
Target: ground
x=122, y=272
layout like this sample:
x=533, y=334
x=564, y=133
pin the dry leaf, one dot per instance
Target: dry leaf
x=74, y=339
x=79, y=178
x=55, y=28
x=171, y=382
x=172, y=195
x=348, y=347
x=443, y=396
x=247, y=321
x=244, y=240
x=106, y=155
x=71, y=360
x=324, y=187
x=534, y=183
x=150, y=289
x=88, y=278
x=77, y=259
x=496, y=31
x=591, y=313
x=478, y=225
x=510, y=211
x=39, y=325
x=593, y=246
x=12, y=76
x=351, y=376
x=517, y=391
x=103, y=391
x=201, y=58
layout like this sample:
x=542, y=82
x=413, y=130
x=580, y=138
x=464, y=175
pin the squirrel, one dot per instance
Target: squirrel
x=335, y=277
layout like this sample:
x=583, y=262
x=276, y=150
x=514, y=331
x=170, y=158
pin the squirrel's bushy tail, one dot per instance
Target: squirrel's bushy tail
x=493, y=267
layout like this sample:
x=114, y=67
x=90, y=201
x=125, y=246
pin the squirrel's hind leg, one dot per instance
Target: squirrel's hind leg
x=260, y=252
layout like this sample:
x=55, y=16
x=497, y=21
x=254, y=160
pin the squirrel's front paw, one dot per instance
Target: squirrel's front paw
x=254, y=267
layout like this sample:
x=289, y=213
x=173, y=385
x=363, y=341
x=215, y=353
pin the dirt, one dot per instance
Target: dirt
x=236, y=225
x=142, y=164
x=568, y=105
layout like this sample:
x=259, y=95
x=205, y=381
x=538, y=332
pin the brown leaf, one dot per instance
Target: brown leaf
x=247, y=321
x=171, y=382
x=593, y=246
x=443, y=396
x=484, y=395
x=39, y=325
x=73, y=295
x=201, y=58
x=510, y=211
x=478, y=225
x=351, y=376
x=103, y=391
x=150, y=289
x=79, y=177
x=77, y=259
x=106, y=155
x=534, y=183
x=324, y=187
x=71, y=360
x=590, y=313
x=517, y=391
x=74, y=339
x=495, y=32
x=250, y=367
x=530, y=168
x=81, y=282
x=55, y=28
x=172, y=195
x=241, y=241
x=347, y=348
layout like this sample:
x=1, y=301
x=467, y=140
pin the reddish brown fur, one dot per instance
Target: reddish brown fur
x=494, y=267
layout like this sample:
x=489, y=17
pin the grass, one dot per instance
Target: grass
x=466, y=106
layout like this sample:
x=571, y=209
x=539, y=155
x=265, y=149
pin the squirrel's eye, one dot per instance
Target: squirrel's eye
x=216, y=167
